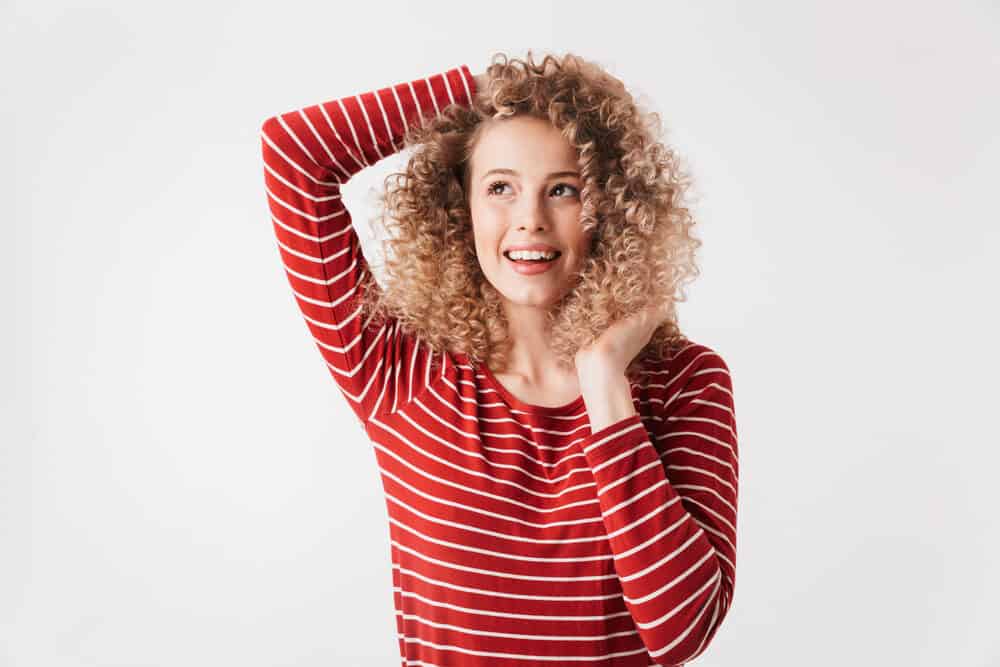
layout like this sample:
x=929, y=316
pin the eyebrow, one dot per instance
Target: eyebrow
x=514, y=173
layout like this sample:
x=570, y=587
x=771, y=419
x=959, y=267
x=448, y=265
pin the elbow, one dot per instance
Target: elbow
x=269, y=126
x=692, y=640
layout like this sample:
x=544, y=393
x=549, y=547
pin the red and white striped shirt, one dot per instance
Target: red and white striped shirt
x=519, y=537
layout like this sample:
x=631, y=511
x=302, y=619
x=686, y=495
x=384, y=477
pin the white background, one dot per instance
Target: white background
x=182, y=482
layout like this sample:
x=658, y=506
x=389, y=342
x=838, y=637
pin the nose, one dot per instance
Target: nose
x=534, y=216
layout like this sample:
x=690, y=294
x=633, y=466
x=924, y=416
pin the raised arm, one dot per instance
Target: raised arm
x=669, y=508
x=308, y=154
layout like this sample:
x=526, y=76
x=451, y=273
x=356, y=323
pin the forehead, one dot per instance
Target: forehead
x=525, y=144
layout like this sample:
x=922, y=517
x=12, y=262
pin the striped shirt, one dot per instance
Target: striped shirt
x=518, y=536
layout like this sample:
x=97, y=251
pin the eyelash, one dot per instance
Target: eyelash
x=489, y=190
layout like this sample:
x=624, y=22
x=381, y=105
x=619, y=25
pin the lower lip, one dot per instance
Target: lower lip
x=531, y=268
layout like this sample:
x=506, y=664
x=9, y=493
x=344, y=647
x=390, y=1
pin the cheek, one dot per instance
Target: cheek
x=485, y=233
x=581, y=243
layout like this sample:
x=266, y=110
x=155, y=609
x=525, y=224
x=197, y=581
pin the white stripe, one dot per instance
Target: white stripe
x=476, y=473
x=512, y=635
x=395, y=384
x=661, y=562
x=504, y=574
x=347, y=229
x=474, y=490
x=447, y=86
x=500, y=614
x=656, y=463
x=595, y=518
x=430, y=89
x=511, y=420
x=702, y=471
x=307, y=216
x=519, y=656
x=357, y=398
x=503, y=594
x=711, y=624
x=339, y=324
x=291, y=186
x=621, y=455
x=501, y=576
x=368, y=123
x=707, y=489
x=321, y=259
x=696, y=453
x=416, y=99
x=329, y=153
x=402, y=112
x=720, y=535
x=465, y=84
x=354, y=133
x=614, y=435
x=710, y=511
x=343, y=144
x=509, y=466
x=684, y=603
x=293, y=164
x=413, y=366
x=628, y=528
x=294, y=137
x=683, y=635
x=704, y=419
x=670, y=584
x=596, y=539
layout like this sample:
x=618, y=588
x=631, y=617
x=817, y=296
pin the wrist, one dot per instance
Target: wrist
x=608, y=400
x=597, y=369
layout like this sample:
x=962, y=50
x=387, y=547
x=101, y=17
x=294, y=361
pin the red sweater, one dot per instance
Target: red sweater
x=519, y=537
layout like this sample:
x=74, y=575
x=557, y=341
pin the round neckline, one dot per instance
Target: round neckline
x=516, y=403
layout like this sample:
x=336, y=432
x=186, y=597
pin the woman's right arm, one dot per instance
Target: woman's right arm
x=308, y=154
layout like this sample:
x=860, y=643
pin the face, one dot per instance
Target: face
x=524, y=188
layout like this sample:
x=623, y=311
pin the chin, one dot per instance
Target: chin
x=536, y=298
x=543, y=295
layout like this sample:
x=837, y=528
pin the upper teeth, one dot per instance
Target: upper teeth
x=530, y=254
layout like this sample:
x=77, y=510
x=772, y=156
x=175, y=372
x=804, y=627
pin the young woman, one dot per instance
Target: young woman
x=559, y=463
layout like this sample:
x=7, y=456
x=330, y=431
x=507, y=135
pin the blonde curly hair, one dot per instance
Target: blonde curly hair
x=642, y=250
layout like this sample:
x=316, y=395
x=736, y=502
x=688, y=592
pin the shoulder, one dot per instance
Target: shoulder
x=690, y=361
x=694, y=388
x=690, y=376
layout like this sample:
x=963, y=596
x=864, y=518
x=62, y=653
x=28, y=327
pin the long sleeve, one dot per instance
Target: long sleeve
x=669, y=508
x=308, y=154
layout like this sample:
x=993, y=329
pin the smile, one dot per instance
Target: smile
x=532, y=267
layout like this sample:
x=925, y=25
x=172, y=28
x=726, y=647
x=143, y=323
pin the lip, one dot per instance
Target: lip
x=527, y=269
x=544, y=247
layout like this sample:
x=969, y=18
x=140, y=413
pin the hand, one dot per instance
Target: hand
x=615, y=349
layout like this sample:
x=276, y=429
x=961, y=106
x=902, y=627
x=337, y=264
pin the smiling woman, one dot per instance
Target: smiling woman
x=600, y=526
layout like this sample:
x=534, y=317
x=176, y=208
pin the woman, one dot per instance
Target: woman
x=559, y=463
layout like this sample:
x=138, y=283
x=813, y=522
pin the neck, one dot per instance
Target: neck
x=531, y=357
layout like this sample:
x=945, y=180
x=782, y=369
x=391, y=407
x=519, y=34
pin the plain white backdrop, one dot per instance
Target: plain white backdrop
x=182, y=482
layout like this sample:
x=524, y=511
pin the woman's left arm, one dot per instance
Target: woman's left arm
x=668, y=500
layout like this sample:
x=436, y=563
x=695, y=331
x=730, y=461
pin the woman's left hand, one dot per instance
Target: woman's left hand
x=615, y=349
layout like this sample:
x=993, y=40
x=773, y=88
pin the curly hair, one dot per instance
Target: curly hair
x=642, y=250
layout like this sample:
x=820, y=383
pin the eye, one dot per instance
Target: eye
x=490, y=191
x=566, y=185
